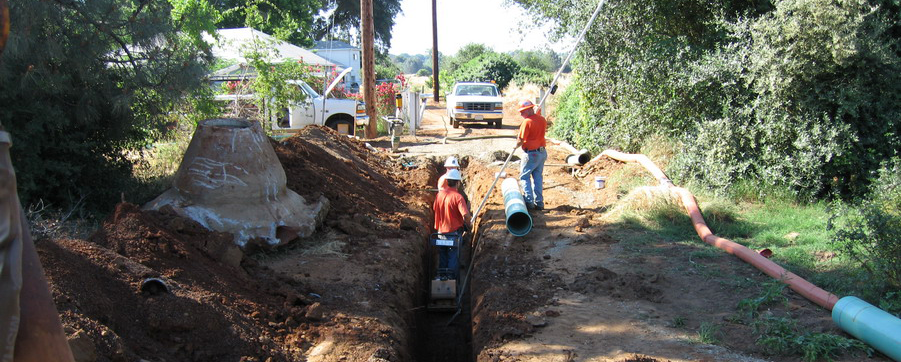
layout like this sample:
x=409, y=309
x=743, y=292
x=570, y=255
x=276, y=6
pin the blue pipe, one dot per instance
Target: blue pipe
x=519, y=223
x=869, y=324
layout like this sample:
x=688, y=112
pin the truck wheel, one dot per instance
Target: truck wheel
x=455, y=122
x=497, y=124
x=344, y=125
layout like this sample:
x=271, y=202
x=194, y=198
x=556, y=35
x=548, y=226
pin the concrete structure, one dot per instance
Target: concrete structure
x=345, y=56
x=231, y=180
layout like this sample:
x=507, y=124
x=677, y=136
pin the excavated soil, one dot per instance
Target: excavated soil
x=581, y=286
x=343, y=294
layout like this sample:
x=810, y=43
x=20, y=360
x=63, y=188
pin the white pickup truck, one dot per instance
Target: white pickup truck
x=339, y=114
x=475, y=102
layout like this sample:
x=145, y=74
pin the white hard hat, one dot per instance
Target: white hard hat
x=454, y=174
x=451, y=162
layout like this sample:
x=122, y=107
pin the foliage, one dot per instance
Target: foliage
x=341, y=19
x=385, y=68
x=424, y=72
x=467, y=53
x=780, y=335
x=500, y=68
x=272, y=84
x=708, y=333
x=532, y=75
x=385, y=93
x=871, y=232
x=81, y=82
x=545, y=60
x=795, y=93
x=772, y=293
x=289, y=20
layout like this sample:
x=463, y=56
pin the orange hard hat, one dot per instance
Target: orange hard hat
x=526, y=105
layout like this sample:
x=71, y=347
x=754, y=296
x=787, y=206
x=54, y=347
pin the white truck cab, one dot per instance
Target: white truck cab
x=475, y=102
x=339, y=114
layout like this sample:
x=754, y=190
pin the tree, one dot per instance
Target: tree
x=464, y=55
x=342, y=20
x=81, y=82
x=289, y=20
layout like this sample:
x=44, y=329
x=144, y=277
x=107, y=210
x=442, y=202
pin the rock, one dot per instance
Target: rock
x=536, y=321
x=315, y=312
x=82, y=347
x=552, y=313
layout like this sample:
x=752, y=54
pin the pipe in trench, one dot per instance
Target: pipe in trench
x=860, y=319
x=519, y=223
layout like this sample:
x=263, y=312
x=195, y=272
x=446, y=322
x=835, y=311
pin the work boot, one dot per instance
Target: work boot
x=530, y=206
x=539, y=206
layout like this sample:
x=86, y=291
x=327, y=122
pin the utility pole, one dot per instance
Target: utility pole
x=435, y=85
x=368, y=67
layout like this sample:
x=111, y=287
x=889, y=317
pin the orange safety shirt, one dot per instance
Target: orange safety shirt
x=449, y=209
x=532, y=131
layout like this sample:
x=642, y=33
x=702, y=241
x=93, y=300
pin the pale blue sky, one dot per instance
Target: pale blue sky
x=461, y=22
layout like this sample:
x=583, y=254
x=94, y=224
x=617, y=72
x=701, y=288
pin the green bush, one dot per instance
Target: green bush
x=487, y=67
x=424, y=72
x=92, y=81
x=871, y=232
x=533, y=76
x=796, y=94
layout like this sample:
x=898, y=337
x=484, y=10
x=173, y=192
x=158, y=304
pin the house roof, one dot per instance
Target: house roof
x=332, y=45
x=233, y=42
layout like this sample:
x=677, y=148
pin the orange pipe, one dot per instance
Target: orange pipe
x=808, y=290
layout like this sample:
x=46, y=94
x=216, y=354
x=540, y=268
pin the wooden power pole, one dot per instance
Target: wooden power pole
x=368, y=67
x=435, y=85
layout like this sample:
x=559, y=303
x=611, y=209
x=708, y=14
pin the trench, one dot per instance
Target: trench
x=439, y=336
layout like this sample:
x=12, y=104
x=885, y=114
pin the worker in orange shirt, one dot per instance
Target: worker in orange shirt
x=451, y=216
x=531, y=139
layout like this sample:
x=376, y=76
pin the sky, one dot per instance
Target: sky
x=461, y=22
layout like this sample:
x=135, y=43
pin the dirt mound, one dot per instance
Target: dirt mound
x=628, y=286
x=213, y=311
x=224, y=306
x=355, y=180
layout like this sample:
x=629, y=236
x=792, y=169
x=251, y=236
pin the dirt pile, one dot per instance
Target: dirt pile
x=281, y=305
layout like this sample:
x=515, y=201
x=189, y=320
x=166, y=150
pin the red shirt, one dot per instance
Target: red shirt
x=532, y=131
x=449, y=209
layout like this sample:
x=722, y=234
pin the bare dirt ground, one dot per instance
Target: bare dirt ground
x=580, y=286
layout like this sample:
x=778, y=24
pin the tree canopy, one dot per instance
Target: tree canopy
x=289, y=20
x=342, y=20
x=82, y=81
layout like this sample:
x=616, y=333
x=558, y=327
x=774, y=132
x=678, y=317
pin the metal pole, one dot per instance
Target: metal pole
x=368, y=66
x=571, y=52
x=435, y=85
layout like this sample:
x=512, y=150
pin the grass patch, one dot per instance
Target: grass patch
x=709, y=333
x=781, y=336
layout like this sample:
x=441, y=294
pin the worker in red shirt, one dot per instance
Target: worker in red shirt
x=531, y=139
x=451, y=216
x=450, y=164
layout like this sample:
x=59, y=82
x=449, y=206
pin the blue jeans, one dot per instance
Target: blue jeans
x=448, y=255
x=532, y=167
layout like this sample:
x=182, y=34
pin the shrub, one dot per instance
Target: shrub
x=871, y=232
x=533, y=75
x=492, y=66
x=424, y=72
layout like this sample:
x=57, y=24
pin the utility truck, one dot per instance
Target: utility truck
x=475, y=102
x=341, y=115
